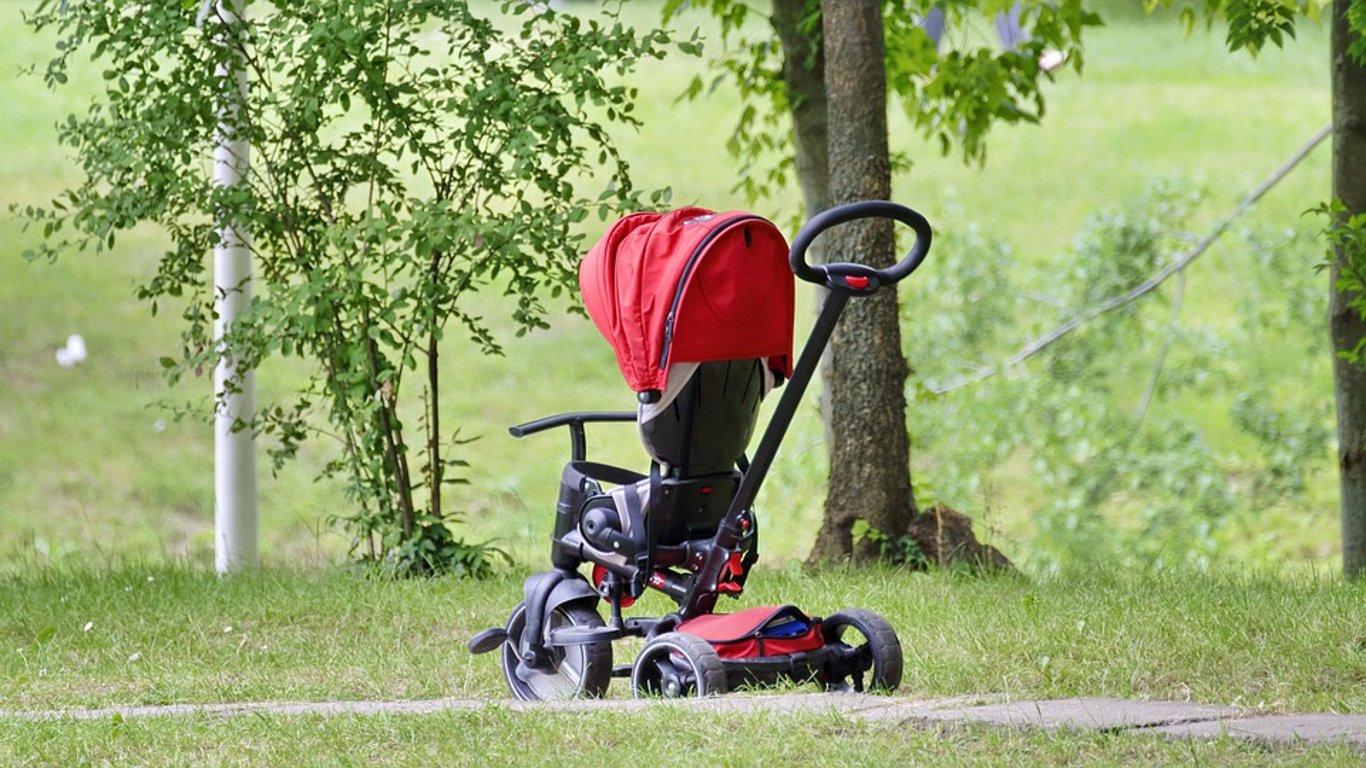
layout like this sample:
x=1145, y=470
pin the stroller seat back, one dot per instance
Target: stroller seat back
x=697, y=433
x=705, y=418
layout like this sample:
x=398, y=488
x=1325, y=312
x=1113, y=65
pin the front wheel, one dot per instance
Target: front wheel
x=677, y=665
x=573, y=671
x=869, y=653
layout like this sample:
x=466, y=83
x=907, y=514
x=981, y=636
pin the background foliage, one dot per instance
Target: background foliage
x=403, y=156
x=91, y=468
x=1125, y=476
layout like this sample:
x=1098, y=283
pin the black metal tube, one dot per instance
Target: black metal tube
x=702, y=595
x=559, y=420
x=788, y=404
x=578, y=441
x=671, y=584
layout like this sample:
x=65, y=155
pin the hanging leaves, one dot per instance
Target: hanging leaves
x=403, y=155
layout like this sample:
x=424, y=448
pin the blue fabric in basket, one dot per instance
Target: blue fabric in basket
x=790, y=628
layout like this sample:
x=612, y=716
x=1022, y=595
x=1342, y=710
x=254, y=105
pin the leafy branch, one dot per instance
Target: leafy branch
x=404, y=155
x=1175, y=267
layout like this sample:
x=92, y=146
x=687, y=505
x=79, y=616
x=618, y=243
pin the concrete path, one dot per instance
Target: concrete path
x=1165, y=718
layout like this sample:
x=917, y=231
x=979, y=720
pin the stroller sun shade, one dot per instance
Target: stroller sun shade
x=690, y=285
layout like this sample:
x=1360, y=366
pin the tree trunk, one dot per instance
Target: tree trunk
x=804, y=82
x=870, y=453
x=1345, y=323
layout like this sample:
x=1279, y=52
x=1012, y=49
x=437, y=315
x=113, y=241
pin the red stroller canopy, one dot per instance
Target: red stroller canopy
x=691, y=285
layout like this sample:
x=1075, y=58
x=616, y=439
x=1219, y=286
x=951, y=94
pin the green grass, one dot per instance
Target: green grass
x=159, y=634
x=682, y=738
x=136, y=636
x=90, y=468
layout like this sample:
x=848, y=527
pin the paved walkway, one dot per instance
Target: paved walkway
x=1166, y=718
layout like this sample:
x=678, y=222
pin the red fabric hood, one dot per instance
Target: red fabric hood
x=691, y=285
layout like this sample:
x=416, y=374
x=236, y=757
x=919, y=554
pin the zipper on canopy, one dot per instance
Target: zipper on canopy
x=687, y=272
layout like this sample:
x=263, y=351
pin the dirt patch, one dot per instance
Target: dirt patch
x=945, y=538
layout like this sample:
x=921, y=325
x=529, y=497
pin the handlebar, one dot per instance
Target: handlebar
x=859, y=278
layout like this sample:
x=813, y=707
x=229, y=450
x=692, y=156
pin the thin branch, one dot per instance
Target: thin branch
x=1043, y=298
x=1147, y=285
x=1166, y=347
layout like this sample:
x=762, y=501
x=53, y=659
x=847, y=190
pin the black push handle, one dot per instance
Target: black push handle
x=859, y=278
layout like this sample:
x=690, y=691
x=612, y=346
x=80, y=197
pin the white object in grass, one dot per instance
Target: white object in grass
x=73, y=353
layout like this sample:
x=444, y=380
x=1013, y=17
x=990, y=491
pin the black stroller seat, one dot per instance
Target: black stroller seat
x=696, y=435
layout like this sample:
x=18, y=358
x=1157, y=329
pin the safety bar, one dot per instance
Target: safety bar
x=578, y=443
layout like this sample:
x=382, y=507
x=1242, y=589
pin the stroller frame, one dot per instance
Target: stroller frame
x=714, y=565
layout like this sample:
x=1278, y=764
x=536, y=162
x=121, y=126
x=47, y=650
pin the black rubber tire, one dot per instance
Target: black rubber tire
x=578, y=671
x=678, y=665
x=881, y=643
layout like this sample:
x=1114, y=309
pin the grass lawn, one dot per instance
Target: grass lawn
x=681, y=738
x=159, y=634
x=156, y=635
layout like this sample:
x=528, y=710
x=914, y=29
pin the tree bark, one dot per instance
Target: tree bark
x=804, y=82
x=870, y=453
x=1346, y=325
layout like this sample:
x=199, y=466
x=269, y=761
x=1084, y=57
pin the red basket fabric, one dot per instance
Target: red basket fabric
x=691, y=285
x=741, y=635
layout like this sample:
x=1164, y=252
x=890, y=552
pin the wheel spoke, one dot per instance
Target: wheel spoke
x=572, y=672
x=666, y=674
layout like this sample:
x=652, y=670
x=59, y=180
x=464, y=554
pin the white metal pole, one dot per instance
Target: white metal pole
x=235, y=503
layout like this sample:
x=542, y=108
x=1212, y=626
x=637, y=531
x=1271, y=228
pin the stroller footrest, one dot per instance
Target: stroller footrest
x=488, y=640
x=583, y=635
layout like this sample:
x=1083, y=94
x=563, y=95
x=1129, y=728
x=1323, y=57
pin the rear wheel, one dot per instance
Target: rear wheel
x=572, y=671
x=677, y=665
x=870, y=657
